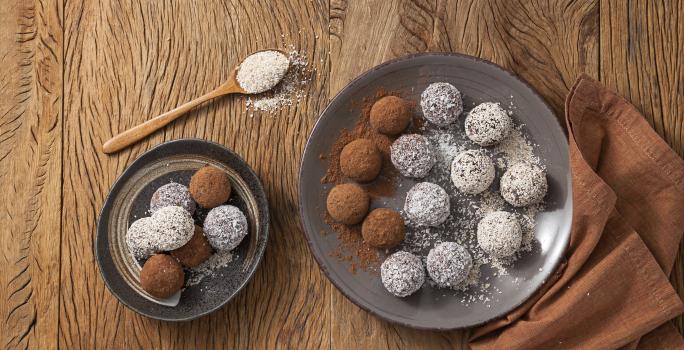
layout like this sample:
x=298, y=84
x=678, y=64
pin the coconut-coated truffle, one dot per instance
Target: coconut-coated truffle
x=141, y=238
x=383, y=228
x=172, y=194
x=195, y=252
x=413, y=155
x=448, y=264
x=390, y=115
x=210, y=187
x=348, y=203
x=472, y=171
x=225, y=227
x=427, y=204
x=174, y=226
x=402, y=274
x=488, y=124
x=499, y=234
x=162, y=276
x=441, y=104
x=360, y=160
x=524, y=184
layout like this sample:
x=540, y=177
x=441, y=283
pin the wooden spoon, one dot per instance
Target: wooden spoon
x=135, y=134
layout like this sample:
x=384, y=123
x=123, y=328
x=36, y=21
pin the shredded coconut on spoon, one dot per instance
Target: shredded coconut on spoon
x=262, y=71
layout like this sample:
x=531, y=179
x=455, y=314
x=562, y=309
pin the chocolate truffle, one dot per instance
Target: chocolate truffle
x=472, y=171
x=141, y=238
x=390, y=115
x=347, y=203
x=427, y=204
x=174, y=227
x=499, y=234
x=402, y=274
x=383, y=228
x=195, y=252
x=488, y=124
x=210, y=187
x=412, y=155
x=225, y=227
x=360, y=160
x=523, y=184
x=441, y=104
x=448, y=264
x=161, y=276
x=172, y=194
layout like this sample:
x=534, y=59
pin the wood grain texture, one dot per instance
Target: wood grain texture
x=522, y=36
x=642, y=58
x=30, y=172
x=77, y=72
x=126, y=63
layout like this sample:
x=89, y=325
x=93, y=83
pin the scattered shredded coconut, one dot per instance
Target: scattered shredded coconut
x=468, y=210
x=290, y=91
x=210, y=267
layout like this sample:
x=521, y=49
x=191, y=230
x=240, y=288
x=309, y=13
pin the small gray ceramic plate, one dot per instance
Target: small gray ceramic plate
x=129, y=200
x=478, y=81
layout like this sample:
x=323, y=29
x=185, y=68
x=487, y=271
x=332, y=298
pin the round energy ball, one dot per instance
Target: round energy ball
x=174, y=226
x=162, y=276
x=523, y=184
x=172, y=194
x=472, y=171
x=488, y=124
x=449, y=264
x=499, y=234
x=141, y=238
x=210, y=187
x=427, y=204
x=402, y=274
x=195, y=252
x=360, y=160
x=225, y=227
x=412, y=155
x=347, y=203
x=390, y=115
x=441, y=104
x=383, y=228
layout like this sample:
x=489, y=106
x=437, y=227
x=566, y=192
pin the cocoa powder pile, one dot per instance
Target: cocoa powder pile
x=352, y=247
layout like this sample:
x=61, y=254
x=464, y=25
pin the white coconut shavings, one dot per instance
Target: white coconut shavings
x=468, y=210
x=289, y=92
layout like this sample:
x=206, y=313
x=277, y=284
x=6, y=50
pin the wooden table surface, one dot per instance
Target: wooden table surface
x=74, y=73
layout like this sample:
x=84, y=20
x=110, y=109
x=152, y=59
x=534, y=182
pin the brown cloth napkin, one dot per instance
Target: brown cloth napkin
x=628, y=217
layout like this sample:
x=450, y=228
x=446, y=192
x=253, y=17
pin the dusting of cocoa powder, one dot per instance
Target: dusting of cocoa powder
x=352, y=248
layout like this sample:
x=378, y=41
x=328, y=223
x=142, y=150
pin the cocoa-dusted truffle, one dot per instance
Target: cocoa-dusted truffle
x=172, y=194
x=360, y=160
x=225, y=227
x=390, y=115
x=161, y=276
x=210, y=187
x=195, y=252
x=348, y=203
x=383, y=228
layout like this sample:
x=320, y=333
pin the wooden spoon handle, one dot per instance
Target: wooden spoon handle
x=143, y=130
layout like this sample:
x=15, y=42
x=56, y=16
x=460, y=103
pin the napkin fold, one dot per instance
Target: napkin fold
x=612, y=290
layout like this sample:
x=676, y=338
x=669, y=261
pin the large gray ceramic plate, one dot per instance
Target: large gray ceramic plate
x=129, y=200
x=478, y=81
